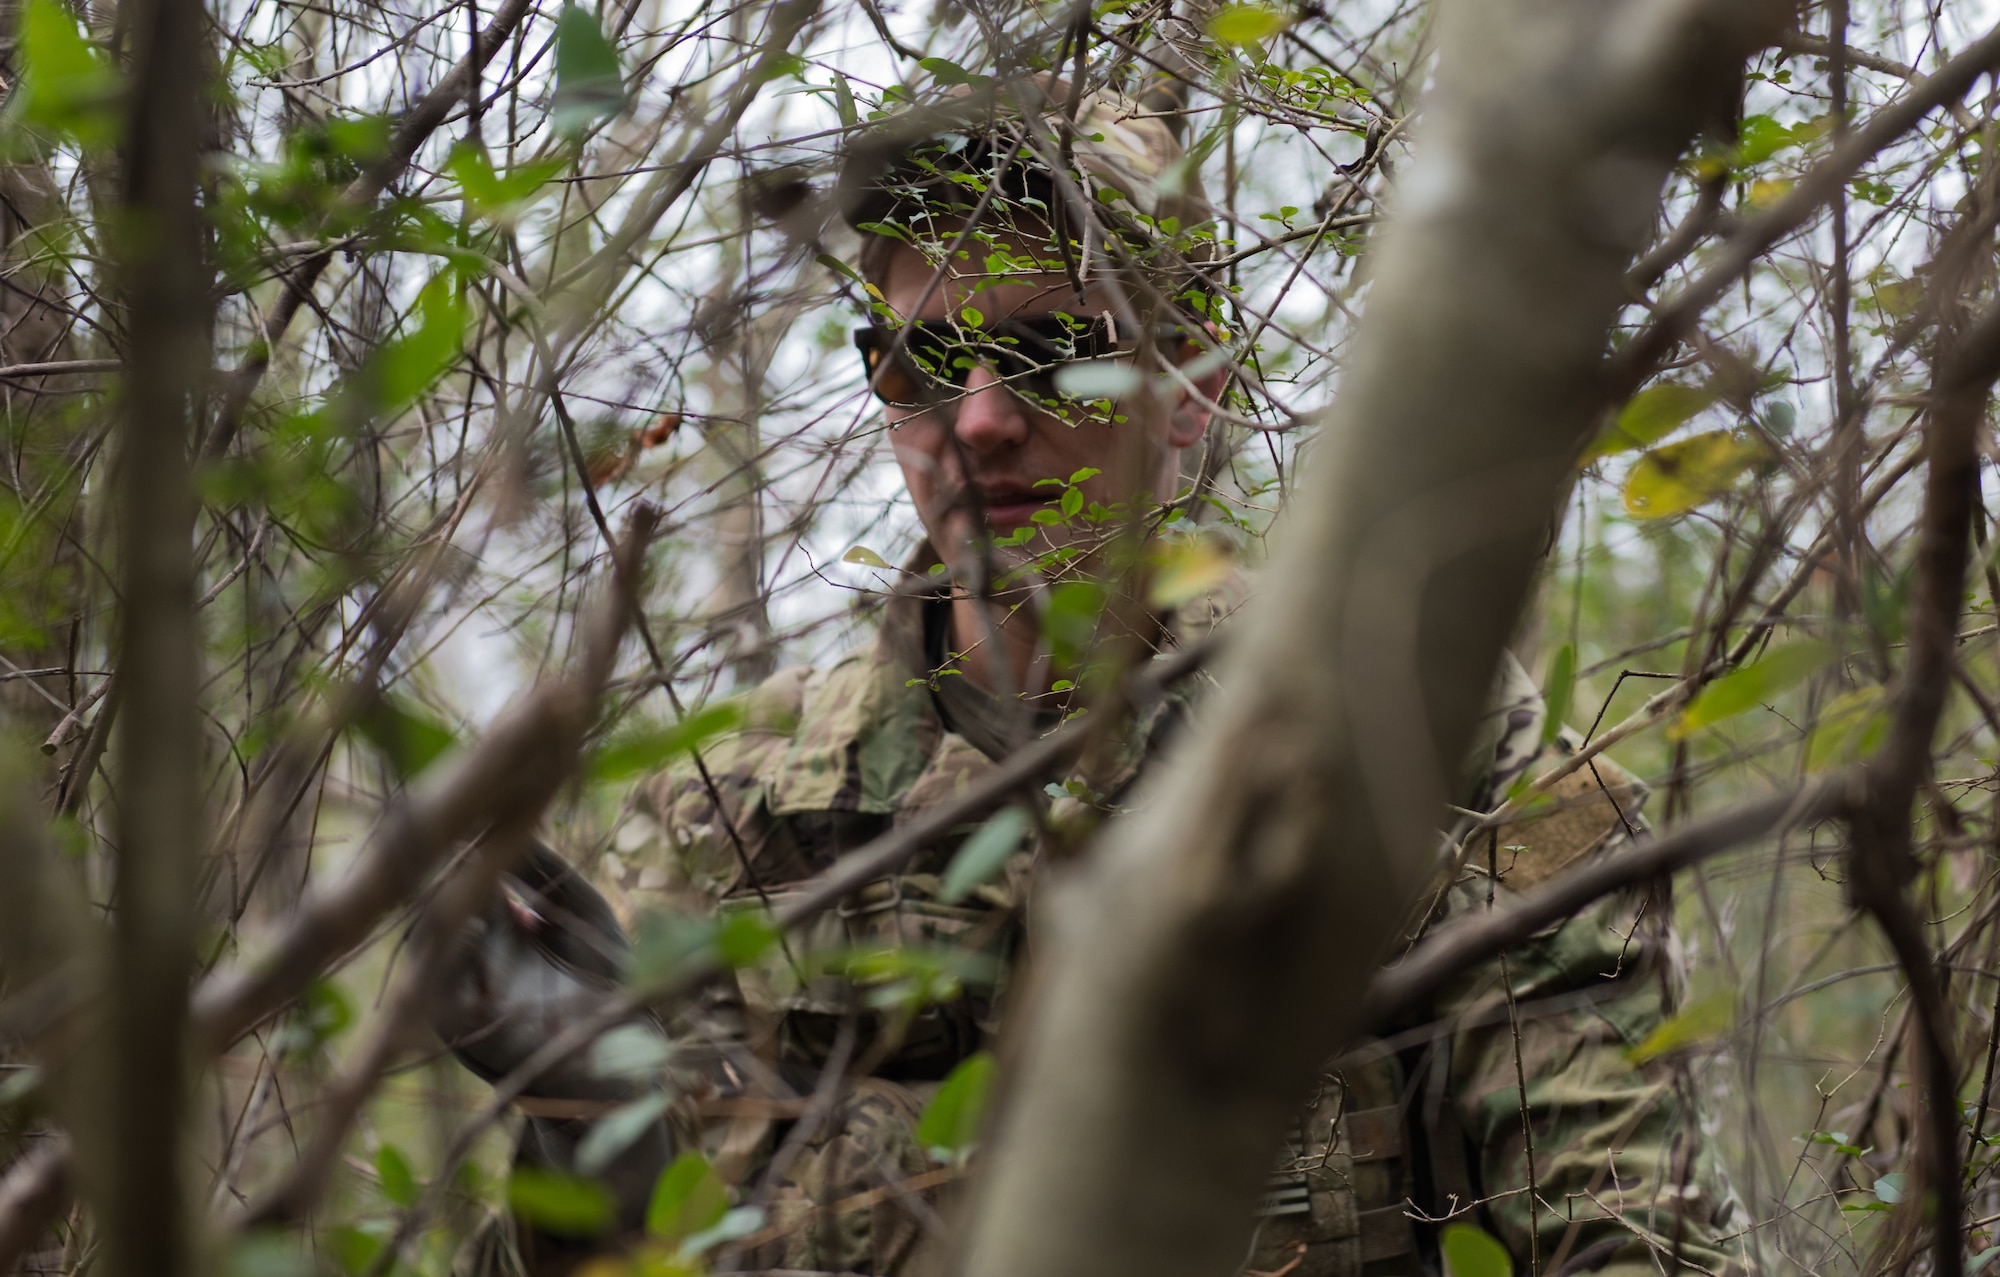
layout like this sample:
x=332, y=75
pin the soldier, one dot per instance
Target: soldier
x=1038, y=326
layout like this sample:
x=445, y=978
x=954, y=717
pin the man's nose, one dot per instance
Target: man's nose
x=989, y=417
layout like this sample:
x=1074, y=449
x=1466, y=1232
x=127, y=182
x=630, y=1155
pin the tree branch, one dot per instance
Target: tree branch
x=509, y=776
x=132, y=1154
x=1676, y=318
x=32, y=1193
x=1880, y=861
x=1216, y=948
x=411, y=133
x=1458, y=945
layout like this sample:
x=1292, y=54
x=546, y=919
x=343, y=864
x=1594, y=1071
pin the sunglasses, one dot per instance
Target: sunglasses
x=937, y=356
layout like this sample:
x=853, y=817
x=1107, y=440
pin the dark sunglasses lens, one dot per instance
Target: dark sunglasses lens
x=891, y=384
x=898, y=386
x=941, y=362
x=934, y=362
x=908, y=379
x=1030, y=374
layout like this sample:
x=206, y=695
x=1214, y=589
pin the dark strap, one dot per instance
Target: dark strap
x=1374, y=1135
x=1444, y=1138
x=1385, y=1234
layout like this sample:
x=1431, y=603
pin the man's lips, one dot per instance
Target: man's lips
x=1013, y=507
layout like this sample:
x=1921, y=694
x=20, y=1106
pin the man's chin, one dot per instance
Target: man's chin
x=1002, y=549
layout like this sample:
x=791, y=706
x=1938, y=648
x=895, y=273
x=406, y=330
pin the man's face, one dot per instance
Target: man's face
x=972, y=462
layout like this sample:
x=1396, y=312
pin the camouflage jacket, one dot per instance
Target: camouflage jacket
x=1403, y=1132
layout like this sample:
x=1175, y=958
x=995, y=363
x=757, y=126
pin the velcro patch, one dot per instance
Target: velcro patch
x=1585, y=814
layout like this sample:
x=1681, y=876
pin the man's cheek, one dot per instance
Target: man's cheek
x=922, y=468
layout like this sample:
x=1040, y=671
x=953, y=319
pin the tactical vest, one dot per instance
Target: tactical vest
x=829, y=759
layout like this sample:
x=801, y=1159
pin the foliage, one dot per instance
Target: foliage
x=954, y=1118
x=606, y=274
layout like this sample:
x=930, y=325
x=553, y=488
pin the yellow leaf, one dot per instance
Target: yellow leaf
x=1850, y=727
x=1701, y=1020
x=1899, y=297
x=1767, y=191
x=1246, y=23
x=1677, y=478
x=1188, y=568
x=1753, y=685
x=1651, y=414
x=865, y=557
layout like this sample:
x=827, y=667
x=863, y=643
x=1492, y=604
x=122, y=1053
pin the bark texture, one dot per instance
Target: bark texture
x=1219, y=945
x=135, y=1168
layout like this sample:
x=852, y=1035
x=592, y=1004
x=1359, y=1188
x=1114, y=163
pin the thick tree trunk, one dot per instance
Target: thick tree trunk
x=1218, y=946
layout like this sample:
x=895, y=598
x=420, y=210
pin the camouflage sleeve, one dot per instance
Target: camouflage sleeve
x=1545, y=1085
x=1623, y=1183
x=690, y=829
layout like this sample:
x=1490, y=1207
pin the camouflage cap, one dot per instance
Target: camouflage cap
x=935, y=160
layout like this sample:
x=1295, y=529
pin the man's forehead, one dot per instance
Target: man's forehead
x=992, y=277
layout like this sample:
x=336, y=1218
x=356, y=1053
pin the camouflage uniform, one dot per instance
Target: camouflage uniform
x=1425, y=1120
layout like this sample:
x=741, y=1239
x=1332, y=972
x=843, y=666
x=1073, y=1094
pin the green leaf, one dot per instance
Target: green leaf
x=778, y=65
x=271, y=1252
x=1850, y=728
x=399, y=1184
x=906, y=976
x=1649, y=417
x=630, y=1051
x=687, y=1198
x=67, y=86
x=361, y=138
x=734, y=1225
x=843, y=101
x=866, y=557
x=662, y=942
x=1070, y=618
x=945, y=71
x=1557, y=691
x=1885, y=602
x=952, y=1121
x=1838, y=1142
x=410, y=740
x=325, y=1012
x=357, y=1247
x=1088, y=472
x=1071, y=503
x=403, y=369
x=1760, y=137
x=984, y=854
x=1188, y=567
x=490, y=195
x=973, y=316
x=1471, y=1252
x=1890, y=1188
x=1098, y=379
x=1246, y=23
x=590, y=84
x=1677, y=478
x=1699, y=1021
x=1899, y=297
x=566, y=1205
x=839, y=267
x=745, y=936
x=1752, y=685
x=643, y=753
x=617, y=1131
